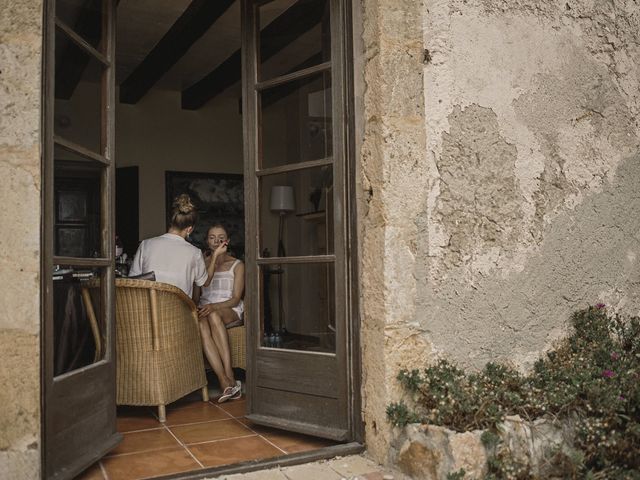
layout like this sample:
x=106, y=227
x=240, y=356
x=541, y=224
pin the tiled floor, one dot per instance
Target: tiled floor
x=196, y=435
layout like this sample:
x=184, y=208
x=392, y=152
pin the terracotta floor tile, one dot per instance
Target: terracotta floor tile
x=149, y=464
x=255, y=427
x=226, y=452
x=136, y=418
x=294, y=442
x=245, y=421
x=92, y=473
x=143, y=441
x=235, y=408
x=203, y=412
x=205, y=432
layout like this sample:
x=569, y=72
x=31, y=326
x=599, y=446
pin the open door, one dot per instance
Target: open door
x=79, y=410
x=295, y=126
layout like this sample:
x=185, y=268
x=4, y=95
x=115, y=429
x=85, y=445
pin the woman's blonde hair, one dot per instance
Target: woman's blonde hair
x=183, y=212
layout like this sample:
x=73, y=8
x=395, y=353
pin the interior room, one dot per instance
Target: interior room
x=179, y=129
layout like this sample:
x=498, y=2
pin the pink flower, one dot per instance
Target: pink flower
x=615, y=356
x=607, y=373
x=600, y=306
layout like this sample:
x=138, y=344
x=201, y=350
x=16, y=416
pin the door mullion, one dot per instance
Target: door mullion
x=250, y=120
x=339, y=151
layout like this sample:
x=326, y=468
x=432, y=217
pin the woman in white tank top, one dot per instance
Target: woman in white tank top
x=221, y=307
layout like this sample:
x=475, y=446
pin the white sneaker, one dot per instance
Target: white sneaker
x=229, y=393
x=239, y=394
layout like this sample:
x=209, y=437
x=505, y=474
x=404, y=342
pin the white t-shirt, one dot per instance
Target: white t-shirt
x=173, y=260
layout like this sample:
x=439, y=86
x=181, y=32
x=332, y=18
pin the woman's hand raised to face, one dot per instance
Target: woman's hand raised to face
x=221, y=249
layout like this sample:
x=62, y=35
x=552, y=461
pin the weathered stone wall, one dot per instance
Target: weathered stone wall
x=531, y=207
x=20, y=93
x=500, y=175
x=393, y=171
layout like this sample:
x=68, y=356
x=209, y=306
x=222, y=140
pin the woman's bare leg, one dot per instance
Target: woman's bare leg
x=218, y=321
x=213, y=356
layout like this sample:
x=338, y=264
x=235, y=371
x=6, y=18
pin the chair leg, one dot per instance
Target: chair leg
x=162, y=413
x=205, y=393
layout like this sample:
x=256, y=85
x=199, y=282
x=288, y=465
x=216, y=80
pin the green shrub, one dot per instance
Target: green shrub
x=593, y=376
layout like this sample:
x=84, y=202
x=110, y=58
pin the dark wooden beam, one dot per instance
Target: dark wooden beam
x=192, y=24
x=290, y=25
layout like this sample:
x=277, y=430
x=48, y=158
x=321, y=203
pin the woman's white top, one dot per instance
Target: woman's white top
x=173, y=260
x=221, y=289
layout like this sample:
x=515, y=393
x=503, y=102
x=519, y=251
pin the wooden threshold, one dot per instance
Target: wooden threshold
x=325, y=453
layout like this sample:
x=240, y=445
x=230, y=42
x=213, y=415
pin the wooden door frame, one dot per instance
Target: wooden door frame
x=353, y=356
x=342, y=66
x=106, y=157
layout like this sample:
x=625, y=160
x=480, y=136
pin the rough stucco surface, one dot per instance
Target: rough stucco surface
x=533, y=144
x=501, y=175
x=20, y=65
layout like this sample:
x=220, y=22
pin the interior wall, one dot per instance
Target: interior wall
x=21, y=32
x=157, y=135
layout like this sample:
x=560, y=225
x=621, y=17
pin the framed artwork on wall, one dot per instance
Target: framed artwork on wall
x=219, y=198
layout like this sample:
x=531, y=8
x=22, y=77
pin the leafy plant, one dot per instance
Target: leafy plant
x=458, y=475
x=592, y=377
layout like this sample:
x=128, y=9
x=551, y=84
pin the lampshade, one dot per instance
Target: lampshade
x=282, y=199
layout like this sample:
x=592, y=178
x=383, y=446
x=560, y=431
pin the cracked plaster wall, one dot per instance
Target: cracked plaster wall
x=500, y=164
x=20, y=77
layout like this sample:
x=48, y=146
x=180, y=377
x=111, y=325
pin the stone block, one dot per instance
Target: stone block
x=20, y=398
x=427, y=452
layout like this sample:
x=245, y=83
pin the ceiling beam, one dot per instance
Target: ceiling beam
x=190, y=26
x=290, y=25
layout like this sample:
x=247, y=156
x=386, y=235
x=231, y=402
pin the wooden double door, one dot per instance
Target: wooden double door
x=302, y=372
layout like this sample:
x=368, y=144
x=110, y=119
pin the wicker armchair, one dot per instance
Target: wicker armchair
x=238, y=345
x=158, y=346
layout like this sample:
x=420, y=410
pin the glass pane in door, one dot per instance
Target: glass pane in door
x=297, y=307
x=78, y=95
x=296, y=213
x=84, y=17
x=293, y=35
x=77, y=210
x=78, y=323
x=296, y=123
